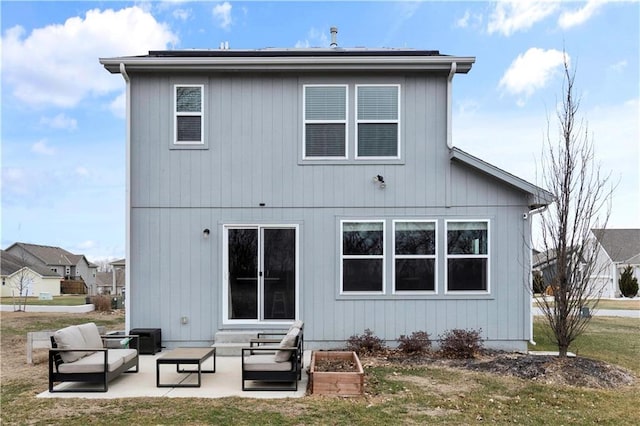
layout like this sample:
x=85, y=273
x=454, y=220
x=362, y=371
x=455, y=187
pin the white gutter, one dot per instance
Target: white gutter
x=539, y=210
x=127, y=269
x=452, y=72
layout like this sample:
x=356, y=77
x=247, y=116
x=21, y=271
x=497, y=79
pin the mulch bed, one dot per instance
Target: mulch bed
x=338, y=365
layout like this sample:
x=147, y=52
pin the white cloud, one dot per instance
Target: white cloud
x=89, y=244
x=618, y=66
x=464, y=21
x=119, y=105
x=82, y=171
x=60, y=121
x=58, y=64
x=315, y=38
x=531, y=71
x=182, y=14
x=42, y=147
x=510, y=16
x=222, y=13
x=569, y=19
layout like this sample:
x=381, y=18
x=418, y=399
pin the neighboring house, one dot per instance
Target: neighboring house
x=617, y=248
x=67, y=265
x=111, y=282
x=317, y=184
x=17, y=274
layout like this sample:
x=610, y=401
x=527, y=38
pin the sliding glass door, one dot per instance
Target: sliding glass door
x=261, y=273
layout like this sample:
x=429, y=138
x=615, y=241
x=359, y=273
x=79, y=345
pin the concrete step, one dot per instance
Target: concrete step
x=229, y=349
x=235, y=336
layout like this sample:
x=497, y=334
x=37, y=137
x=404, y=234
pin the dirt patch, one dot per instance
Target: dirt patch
x=574, y=371
x=327, y=365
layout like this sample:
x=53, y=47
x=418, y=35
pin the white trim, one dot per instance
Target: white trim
x=343, y=257
x=396, y=121
x=394, y=256
x=225, y=274
x=200, y=114
x=305, y=122
x=448, y=256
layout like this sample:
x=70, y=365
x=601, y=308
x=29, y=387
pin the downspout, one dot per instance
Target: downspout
x=447, y=177
x=127, y=269
x=539, y=210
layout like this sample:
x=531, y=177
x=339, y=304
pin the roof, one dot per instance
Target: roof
x=119, y=262
x=274, y=59
x=105, y=279
x=539, y=197
x=50, y=255
x=10, y=264
x=621, y=245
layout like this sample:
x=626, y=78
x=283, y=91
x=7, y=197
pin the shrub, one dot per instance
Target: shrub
x=102, y=303
x=366, y=344
x=538, y=282
x=628, y=283
x=417, y=343
x=460, y=344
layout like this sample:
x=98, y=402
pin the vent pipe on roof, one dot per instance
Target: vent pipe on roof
x=334, y=34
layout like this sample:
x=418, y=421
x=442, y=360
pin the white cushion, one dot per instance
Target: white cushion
x=288, y=341
x=126, y=354
x=93, y=363
x=265, y=363
x=91, y=335
x=70, y=338
x=297, y=324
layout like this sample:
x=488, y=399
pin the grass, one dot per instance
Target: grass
x=612, y=339
x=66, y=300
x=395, y=394
x=612, y=303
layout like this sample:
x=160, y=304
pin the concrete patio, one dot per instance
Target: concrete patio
x=225, y=382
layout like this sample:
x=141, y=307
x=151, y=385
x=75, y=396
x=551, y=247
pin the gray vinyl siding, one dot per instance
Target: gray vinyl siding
x=253, y=127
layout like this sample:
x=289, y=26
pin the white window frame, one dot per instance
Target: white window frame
x=305, y=122
x=415, y=256
x=396, y=121
x=353, y=256
x=448, y=256
x=176, y=114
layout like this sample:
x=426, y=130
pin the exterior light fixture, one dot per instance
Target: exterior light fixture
x=380, y=180
x=206, y=232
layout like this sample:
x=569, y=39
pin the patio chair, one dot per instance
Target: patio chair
x=274, y=364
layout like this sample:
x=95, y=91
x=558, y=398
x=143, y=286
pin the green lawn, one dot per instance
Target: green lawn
x=395, y=394
x=65, y=300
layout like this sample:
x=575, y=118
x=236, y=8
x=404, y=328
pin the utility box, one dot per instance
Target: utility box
x=150, y=340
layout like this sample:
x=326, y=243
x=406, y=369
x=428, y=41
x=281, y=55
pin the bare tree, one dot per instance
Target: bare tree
x=581, y=205
x=22, y=284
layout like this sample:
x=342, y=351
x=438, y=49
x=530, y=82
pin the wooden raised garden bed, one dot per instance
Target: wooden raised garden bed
x=336, y=373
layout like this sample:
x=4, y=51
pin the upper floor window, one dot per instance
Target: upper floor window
x=362, y=256
x=414, y=250
x=467, y=256
x=325, y=121
x=377, y=121
x=188, y=124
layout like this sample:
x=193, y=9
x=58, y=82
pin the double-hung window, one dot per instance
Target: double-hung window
x=377, y=121
x=325, y=121
x=188, y=113
x=362, y=254
x=414, y=248
x=467, y=256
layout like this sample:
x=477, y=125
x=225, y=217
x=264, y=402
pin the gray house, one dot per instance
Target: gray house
x=316, y=184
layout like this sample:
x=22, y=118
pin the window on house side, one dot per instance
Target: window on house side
x=377, y=121
x=467, y=256
x=414, y=255
x=363, y=256
x=188, y=114
x=325, y=121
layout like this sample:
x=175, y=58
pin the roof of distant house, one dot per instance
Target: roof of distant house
x=622, y=245
x=10, y=264
x=54, y=256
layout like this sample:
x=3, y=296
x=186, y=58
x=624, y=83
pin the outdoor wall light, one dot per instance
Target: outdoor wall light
x=206, y=232
x=184, y=320
x=380, y=180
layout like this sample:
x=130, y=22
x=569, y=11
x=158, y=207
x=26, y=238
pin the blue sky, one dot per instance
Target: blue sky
x=63, y=128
